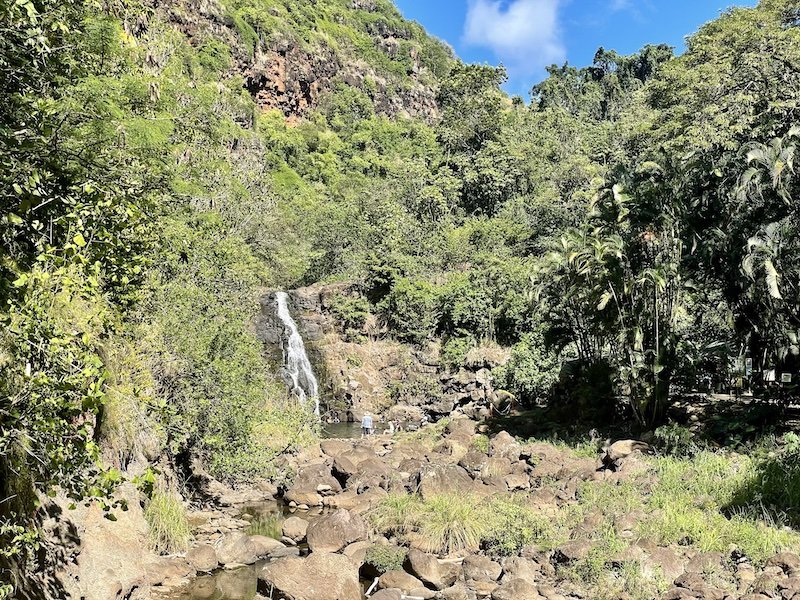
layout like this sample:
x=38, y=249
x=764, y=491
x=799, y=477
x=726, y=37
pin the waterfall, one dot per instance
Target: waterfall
x=297, y=368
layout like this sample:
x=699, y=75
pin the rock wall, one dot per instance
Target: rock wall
x=283, y=74
x=378, y=374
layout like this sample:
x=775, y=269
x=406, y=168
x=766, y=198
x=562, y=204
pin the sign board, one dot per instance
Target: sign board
x=769, y=375
x=748, y=366
x=786, y=378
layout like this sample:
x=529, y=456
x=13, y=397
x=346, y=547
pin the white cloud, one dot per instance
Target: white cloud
x=523, y=34
x=617, y=5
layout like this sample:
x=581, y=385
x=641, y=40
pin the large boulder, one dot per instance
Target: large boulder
x=335, y=447
x=321, y=576
x=310, y=484
x=113, y=554
x=473, y=461
x=238, y=548
x=333, y=532
x=399, y=580
x=481, y=568
x=622, y=449
x=434, y=480
x=516, y=589
x=387, y=594
x=517, y=567
x=431, y=570
x=202, y=558
x=504, y=445
x=295, y=529
x=458, y=591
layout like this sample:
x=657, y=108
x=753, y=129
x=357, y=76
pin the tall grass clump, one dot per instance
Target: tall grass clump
x=450, y=523
x=396, y=514
x=168, y=525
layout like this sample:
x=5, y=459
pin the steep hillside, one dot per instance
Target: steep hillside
x=292, y=54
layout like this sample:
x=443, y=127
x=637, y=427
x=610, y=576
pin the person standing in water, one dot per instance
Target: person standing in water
x=366, y=424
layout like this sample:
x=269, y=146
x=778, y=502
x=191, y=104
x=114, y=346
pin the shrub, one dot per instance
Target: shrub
x=532, y=370
x=455, y=350
x=385, y=558
x=480, y=443
x=676, y=440
x=514, y=526
x=395, y=514
x=416, y=387
x=412, y=310
x=450, y=523
x=351, y=313
x=772, y=487
x=168, y=526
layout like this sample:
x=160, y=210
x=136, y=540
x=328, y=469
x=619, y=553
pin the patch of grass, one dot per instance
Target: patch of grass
x=771, y=489
x=395, y=514
x=386, y=558
x=480, y=443
x=168, y=527
x=514, y=525
x=626, y=579
x=582, y=446
x=425, y=437
x=450, y=523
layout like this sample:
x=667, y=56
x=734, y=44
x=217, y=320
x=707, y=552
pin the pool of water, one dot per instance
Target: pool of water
x=241, y=584
x=347, y=430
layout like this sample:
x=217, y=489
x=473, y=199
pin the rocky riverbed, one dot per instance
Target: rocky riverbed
x=316, y=539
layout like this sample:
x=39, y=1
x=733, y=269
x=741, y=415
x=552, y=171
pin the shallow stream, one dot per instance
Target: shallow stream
x=242, y=583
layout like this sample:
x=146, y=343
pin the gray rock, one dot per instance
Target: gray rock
x=320, y=576
x=399, y=580
x=516, y=589
x=481, y=568
x=387, y=594
x=430, y=570
x=333, y=532
x=202, y=558
x=238, y=548
x=434, y=480
x=295, y=528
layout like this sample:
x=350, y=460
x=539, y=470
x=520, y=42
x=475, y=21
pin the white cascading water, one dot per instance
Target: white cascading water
x=300, y=377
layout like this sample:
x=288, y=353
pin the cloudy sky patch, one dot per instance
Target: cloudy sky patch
x=524, y=35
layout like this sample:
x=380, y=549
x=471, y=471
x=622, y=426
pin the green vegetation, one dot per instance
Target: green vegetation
x=166, y=519
x=627, y=234
x=385, y=558
x=711, y=502
x=450, y=523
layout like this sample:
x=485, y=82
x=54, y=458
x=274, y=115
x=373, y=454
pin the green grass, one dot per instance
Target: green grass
x=449, y=523
x=425, y=437
x=168, y=527
x=480, y=443
x=704, y=502
x=686, y=502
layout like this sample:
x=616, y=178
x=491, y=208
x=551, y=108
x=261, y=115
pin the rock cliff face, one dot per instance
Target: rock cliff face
x=378, y=374
x=286, y=73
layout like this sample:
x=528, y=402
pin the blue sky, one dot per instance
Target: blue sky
x=527, y=35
